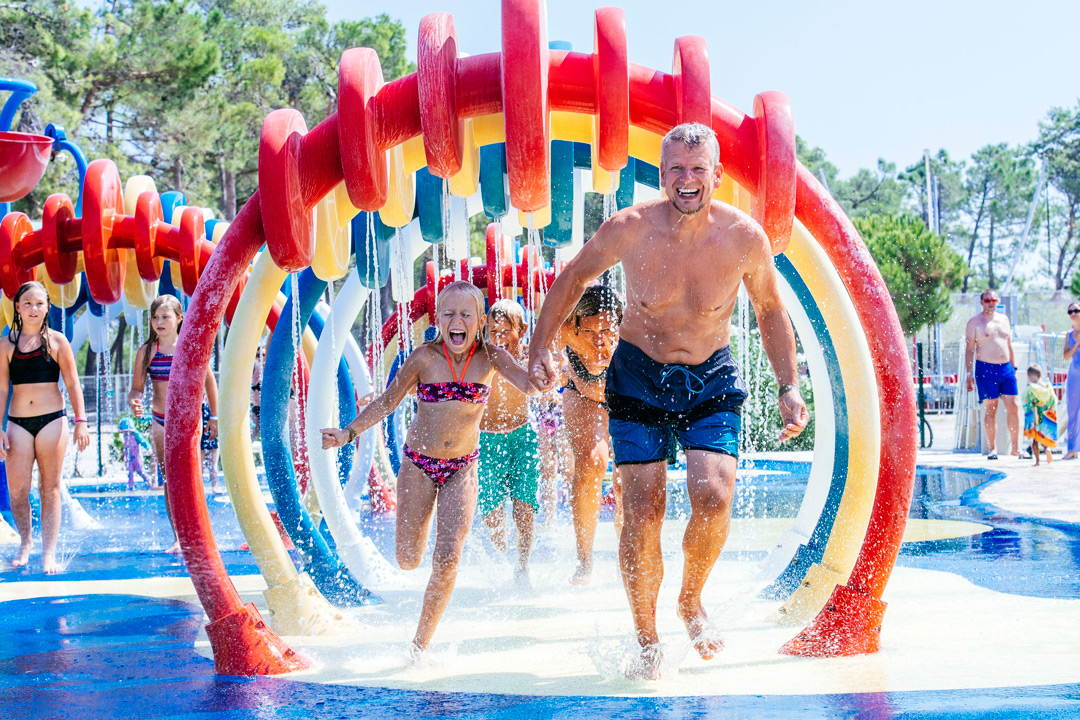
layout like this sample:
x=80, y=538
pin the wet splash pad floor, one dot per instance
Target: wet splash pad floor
x=983, y=619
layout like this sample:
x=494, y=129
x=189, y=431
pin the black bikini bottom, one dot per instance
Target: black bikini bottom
x=37, y=423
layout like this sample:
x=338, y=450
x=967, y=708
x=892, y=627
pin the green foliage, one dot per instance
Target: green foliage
x=178, y=90
x=866, y=192
x=1059, y=144
x=919, y=267
x=1074, y=286
x=761, y=411
x=999, y=185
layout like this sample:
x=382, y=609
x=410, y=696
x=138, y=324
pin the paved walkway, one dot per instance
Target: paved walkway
x=1048, y=491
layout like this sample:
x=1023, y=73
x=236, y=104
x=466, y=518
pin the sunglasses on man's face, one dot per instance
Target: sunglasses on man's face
x=991, y=300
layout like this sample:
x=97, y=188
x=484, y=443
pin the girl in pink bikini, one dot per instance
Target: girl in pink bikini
x=452, y=377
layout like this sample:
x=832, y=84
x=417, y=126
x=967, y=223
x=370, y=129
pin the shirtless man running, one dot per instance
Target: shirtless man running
x=989, y=345
x=672, y=376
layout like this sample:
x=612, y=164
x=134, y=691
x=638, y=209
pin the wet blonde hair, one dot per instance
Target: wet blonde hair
x=474, y=293
x=152, y=336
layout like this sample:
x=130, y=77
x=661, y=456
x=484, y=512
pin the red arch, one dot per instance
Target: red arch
x=851, y=620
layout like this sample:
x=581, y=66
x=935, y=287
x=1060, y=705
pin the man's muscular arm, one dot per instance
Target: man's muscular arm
x=599, y=254
x=777, y=337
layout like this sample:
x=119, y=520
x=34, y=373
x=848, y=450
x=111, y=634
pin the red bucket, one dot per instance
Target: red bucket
x=23, y=159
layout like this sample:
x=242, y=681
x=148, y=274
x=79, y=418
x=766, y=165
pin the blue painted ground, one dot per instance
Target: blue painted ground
x=129, y=656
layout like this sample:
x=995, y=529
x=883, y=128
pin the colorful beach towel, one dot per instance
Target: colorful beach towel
x=1040, y=415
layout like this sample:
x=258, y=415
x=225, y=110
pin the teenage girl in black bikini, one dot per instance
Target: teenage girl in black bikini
x=32, y=360
x=154, y=360
x=452, y=377
x=589, y=338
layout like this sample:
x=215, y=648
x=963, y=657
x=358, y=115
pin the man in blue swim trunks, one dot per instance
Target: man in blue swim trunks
x=989, y=345
x=672, y=378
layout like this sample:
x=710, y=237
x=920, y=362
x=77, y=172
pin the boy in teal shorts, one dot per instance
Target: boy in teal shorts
x=509, y=460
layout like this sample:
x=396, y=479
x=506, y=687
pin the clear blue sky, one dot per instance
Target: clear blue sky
x=865, y=79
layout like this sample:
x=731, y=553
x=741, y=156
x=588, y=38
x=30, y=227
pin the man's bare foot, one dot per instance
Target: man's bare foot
x=521, y=578
x=647, y=665
x=174, y=549
x=22, y=557
x=1069, y=456
x=582, y=575
x=50, y=566
x=703, y=634
x=420, y=656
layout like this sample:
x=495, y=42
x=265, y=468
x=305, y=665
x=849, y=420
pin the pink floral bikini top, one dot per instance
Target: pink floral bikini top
x=457, y=390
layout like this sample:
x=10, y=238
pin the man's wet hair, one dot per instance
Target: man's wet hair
x=595, y=300
x=692, y=135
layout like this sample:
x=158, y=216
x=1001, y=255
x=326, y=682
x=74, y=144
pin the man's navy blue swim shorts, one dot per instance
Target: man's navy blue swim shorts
x=652, y=406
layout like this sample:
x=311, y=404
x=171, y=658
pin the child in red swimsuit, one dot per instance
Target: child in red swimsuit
x=452, y=377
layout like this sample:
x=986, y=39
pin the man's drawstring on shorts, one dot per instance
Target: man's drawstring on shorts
x=690, y=378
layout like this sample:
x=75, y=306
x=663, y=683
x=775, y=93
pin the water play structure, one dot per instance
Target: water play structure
x=406, y=162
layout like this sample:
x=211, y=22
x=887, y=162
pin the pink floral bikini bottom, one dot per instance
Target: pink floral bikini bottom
x=439, y=470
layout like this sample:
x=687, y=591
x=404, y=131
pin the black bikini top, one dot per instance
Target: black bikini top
x=581, y=371
x=34, y=366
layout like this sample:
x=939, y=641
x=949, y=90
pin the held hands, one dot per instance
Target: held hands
x=543, y=369
x=793, y=414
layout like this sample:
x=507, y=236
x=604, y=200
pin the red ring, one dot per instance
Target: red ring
x=492, y=238
x=436, y=60
x=148, y=218
x=60, y=265
x=525, y=81
x=693, y=89
x=192, y=235
x=103, y=202
x=364, y=163
x=775, y=206
x=287, y=221
x=13, y=230
x=611, y=69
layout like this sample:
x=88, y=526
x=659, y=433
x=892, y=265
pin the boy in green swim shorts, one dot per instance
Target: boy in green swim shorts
x=509, y=460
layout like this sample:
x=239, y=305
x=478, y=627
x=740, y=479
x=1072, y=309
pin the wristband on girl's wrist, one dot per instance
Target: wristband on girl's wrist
x=80, y=419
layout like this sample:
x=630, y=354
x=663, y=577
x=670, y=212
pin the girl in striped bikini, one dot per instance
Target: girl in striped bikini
x=154, y=360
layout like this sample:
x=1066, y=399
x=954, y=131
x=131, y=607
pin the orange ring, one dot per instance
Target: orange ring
x=15, y=227
x=62, y=267
x=693, y=90
x=192, y=235
x=103, y=201
x=287, y=222
x=436, y=59
x=525, y=80
x=148, y=218
x=364, y=163
x=611, y=70
x=775, y=206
